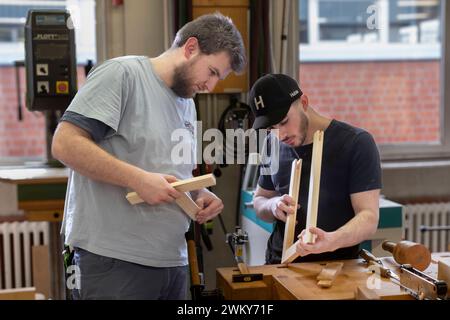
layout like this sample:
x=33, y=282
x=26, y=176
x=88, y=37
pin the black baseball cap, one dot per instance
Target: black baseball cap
x=271, y=97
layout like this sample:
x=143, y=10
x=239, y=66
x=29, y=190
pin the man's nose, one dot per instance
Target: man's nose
x=211, y=83
x=282, y=134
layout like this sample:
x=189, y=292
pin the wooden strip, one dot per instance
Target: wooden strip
x=243, y=268
x=41, y=270
x=294, y=189
x=18, y=294
x=290, y=254
x=314, y=186
x=186, y=185
x=200, y=182
x=188, y=205
x=46, y=215
x=37, y=205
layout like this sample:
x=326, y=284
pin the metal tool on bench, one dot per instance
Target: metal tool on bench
x=418, y=284
x=237, y=241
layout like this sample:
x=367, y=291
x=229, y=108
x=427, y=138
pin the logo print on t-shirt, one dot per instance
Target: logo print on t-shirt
x=190, y=127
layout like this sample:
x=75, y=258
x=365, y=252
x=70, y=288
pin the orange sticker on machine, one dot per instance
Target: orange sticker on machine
x=62, y=87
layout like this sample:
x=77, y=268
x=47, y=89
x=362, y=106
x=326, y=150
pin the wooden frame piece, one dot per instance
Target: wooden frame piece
x=314, y=186
x=291, y=254
x=185, y=201
x=188, y=205
x=294, y=189
x=187, y=185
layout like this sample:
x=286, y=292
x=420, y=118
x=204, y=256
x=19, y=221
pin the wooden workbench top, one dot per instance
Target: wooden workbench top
x=297, y=281
x=34, y=175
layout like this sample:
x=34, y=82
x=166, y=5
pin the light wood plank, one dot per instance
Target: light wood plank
x=314, y=186
x=18, y=294
x=41, y=270
x=294, y=189
x=188, y=205
x=186, y=185
x=291, y=253
x=200, y=182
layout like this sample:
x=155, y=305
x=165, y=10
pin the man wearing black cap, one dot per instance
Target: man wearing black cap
x=350, y=178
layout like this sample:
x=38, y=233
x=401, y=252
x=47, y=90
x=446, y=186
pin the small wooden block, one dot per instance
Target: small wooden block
x=243, y=268
x=196, y=183
x=328, y=274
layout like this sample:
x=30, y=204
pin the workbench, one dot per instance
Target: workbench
x=38, y=193
x=297, y=281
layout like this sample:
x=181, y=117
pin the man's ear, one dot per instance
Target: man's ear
x=191, y=48
x=304, y=102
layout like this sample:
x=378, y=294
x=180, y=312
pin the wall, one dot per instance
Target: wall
x=133, y=28
x=395, y=101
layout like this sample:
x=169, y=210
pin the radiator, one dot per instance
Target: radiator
x=427, y=223
x=16, y=240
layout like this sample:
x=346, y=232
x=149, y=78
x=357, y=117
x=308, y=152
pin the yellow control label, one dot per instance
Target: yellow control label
x=62, y=87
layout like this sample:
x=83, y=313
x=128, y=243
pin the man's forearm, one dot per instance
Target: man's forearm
x=263, y=208
x=84, y=156
x=360, y=228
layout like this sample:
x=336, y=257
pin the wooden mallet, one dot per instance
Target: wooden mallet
x=407, y=252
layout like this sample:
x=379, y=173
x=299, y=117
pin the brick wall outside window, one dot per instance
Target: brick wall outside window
x=24, y=138
x=396, y=101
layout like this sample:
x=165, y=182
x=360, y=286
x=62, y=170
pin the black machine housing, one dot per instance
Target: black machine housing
x=50, y=60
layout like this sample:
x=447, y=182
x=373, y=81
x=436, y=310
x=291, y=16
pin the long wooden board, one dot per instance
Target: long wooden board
x=313, y=197
x=186, y=185
x=294, y=189
x=314, y=186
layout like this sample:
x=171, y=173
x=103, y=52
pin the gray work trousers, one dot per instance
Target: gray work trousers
x=108, y=278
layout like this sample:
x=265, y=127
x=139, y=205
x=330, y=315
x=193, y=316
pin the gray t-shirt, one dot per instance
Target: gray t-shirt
x=142, y=112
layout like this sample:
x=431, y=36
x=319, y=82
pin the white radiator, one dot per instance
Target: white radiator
x=433, y=216
x=16, y=240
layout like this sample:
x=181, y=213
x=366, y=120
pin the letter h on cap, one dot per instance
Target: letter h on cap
x=260, y=103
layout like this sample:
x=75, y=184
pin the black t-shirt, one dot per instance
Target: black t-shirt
x=350, y=164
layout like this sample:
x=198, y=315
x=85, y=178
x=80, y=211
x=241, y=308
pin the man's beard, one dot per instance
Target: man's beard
x=182, y=84
x=304, y=123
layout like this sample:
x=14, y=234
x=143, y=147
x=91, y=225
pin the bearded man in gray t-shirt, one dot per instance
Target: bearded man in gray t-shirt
x=116, y=137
